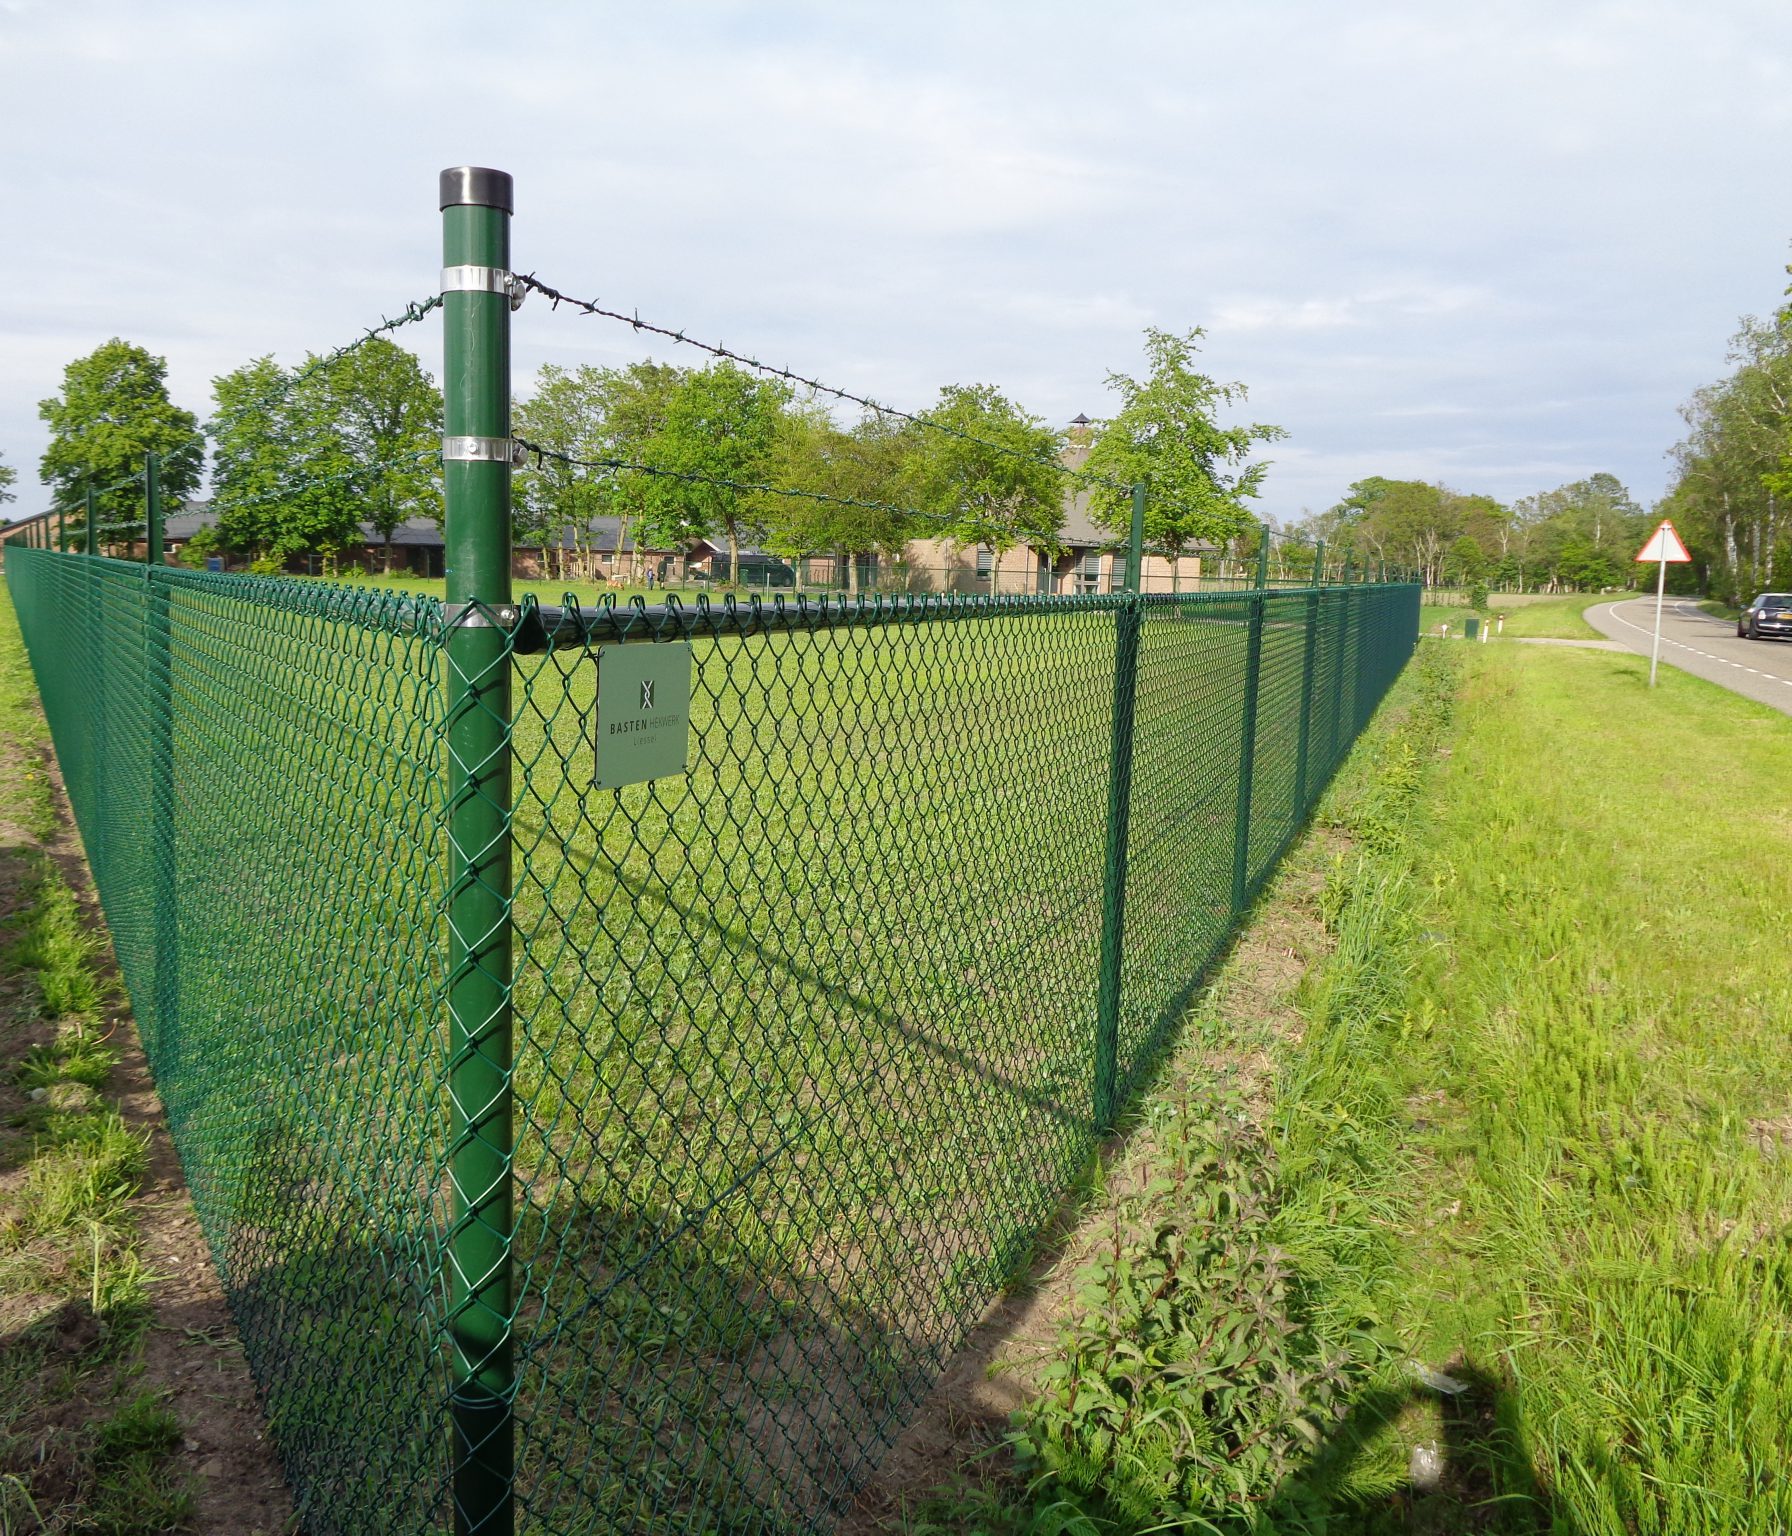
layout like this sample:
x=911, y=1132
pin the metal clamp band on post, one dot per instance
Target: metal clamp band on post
x=480, y=615
x=483, y=450
x=476, y=279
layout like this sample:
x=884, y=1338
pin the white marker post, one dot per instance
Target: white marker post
x=1665, y=547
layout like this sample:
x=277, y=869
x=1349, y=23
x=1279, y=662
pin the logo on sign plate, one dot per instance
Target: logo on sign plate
x=647, y=693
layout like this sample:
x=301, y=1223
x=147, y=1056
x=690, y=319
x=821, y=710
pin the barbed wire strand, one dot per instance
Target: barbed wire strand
x=413, y=312
x=307, y=482
x=556, y=298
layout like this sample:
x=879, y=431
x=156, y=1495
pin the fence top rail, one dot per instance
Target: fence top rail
x=409, y=613
x=538, y=627
x=545, y=626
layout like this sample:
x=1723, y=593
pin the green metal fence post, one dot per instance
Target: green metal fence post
x=1135, y=544
x=1247, y=753
x=1339, y=630
x=476, y=206
x=1309, y=653
x=164, y=845
x=152, y=509
x=1127, y=623
x=93, y=527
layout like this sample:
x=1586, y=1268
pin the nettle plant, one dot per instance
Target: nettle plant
x=1188, y=1380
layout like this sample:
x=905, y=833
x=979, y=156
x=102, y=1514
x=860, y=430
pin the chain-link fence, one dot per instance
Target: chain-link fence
x=808, y=1040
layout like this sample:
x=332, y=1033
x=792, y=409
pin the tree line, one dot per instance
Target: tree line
x=1579, y=537
x=1732, y=482
x=303, y=460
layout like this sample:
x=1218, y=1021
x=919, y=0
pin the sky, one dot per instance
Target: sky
x=1494, y=246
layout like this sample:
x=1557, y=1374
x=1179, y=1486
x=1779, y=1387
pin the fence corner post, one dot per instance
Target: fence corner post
x=93, y=527
x=1128, y=620
x=476, y=206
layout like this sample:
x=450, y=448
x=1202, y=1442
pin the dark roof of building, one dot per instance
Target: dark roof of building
x=183, y=524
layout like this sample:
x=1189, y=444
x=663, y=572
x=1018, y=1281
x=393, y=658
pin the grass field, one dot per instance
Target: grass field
x=1568, y=1008
x=805, y=1038
x=1554, y=618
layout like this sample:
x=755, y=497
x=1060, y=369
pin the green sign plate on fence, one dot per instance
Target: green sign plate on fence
x=643, y=712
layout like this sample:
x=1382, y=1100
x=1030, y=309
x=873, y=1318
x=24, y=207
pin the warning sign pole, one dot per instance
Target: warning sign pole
x=1664, y=546
x=1661, y=586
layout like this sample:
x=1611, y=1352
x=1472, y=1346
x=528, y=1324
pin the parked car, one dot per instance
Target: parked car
x=1768, y=614
x=756, y=572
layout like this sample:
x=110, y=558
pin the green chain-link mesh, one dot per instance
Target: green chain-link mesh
x=806, y=1040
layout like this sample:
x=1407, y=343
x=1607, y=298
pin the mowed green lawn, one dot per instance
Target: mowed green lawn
x=1552, y=618
x=804, y=1038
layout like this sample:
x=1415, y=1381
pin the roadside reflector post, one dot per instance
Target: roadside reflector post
x=1664, y=547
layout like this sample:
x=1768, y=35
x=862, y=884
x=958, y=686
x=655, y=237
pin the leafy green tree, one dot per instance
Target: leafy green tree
x=1399, y=521
x=983, y=495
x=563, y=414
x=382, y=411
x=863, y=465
x=8, y=476
x=1734, y=467
x=591, y=414
x=1581, y=535
x=1166, y=433
x=204, y=543
x=1467, y=560
x=282, y=479
x=113, y=410
x=721, y=424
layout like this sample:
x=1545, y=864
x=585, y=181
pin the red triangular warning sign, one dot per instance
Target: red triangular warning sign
x=1664, y=544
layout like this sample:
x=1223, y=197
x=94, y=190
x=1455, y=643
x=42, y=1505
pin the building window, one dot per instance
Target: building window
x=985, y=564
x=1088, y=572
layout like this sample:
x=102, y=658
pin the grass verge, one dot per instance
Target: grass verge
x=1524, y=1174
x=84, y=1446
x=1598, y=1050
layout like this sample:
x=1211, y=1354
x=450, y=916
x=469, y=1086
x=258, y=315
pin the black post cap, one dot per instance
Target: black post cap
x=474, y=184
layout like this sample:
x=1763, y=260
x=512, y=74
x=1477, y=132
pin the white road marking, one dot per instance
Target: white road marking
x=1680, y=645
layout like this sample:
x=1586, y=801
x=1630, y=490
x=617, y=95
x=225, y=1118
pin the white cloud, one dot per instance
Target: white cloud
x=1485, y=245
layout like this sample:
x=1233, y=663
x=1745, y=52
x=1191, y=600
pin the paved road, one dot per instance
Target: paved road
x=1707, y=647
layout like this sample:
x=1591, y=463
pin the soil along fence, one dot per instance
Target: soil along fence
x=617, y=1053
